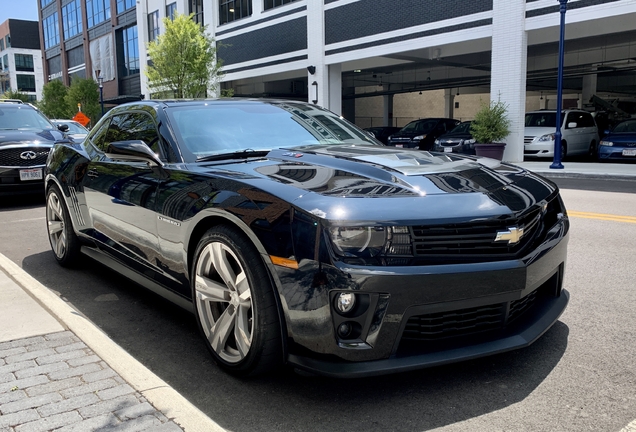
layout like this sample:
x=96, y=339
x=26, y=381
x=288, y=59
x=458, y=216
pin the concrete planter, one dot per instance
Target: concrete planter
x=491, y=150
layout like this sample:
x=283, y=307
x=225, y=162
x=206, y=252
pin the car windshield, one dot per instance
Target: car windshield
x=219, y=127
x=461, y=128
x=419, y=126
x=626, y=126
x=73, y=128
x=22, y=118
x=542, y=119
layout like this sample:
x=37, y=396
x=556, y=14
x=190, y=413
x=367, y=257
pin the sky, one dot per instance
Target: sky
x=18, y=9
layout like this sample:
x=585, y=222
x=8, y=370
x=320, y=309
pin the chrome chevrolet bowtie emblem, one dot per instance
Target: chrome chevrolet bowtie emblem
x=28, y=155
x=512, y=235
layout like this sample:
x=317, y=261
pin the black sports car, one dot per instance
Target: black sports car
x=26, y=136
x=296, y=238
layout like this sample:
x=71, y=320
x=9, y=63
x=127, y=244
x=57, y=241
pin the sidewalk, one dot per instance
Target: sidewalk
x=59, y=372
x=618, y=171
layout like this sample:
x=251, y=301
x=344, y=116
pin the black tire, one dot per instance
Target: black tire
x=564, y=150
x=592, y=151
x=64, y=242
x=226, y=270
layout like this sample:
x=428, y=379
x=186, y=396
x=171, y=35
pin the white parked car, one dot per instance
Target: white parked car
x=579, y=134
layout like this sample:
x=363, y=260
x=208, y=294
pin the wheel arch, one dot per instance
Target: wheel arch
x=214, y=217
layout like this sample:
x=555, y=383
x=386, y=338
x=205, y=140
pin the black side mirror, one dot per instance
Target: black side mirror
x=62, y=127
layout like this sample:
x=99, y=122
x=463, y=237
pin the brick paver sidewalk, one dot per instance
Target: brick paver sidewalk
x=56, y=383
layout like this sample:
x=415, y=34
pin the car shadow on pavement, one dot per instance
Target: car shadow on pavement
x=165, y=339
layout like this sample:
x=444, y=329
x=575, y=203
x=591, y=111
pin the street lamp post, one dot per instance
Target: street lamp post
x=100, y=80
x=556, y=163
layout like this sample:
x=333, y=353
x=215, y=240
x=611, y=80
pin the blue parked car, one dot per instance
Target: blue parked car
x=619, y=143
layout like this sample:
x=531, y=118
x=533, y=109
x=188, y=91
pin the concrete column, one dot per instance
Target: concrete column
x=508, y=85
x=335, y=88
x=318, y=81
x=543, y=103
x=387, y=114
x=589, y=87
x=449, y=103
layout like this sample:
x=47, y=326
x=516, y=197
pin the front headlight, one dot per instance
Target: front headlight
x=436, y=142
x=548, y=137
x=607, y=143
x=470, y=141
x=371, y=242
x=358, y=241
x=419, y=138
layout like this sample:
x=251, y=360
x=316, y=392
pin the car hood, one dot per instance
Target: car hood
x=396, y=183
x=44, y=137
x=621, y=137
x=538, y=131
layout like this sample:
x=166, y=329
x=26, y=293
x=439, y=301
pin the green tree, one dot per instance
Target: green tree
x=53, y=103
x=15, y=94
x=84, y=92
x=183, y=60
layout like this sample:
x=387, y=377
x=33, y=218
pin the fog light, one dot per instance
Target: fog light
x=345, y=302
x=344, y=330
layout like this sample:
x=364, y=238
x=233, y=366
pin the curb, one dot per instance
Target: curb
x=159, y=393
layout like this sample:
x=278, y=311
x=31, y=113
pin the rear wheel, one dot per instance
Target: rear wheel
x=564, y=150
x=64, y=241
x=235, y=303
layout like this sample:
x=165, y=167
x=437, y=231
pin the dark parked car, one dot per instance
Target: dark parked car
x=458, y=140
x=74, y=130
x=26, y=136
x=619, y=143
x=296, y=238
x=382, y=133
x=421, y=134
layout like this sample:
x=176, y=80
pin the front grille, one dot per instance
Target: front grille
x=464, y=322
x=10, y=157
x=528, y=139
x=474, y=242
x=401, y=140
x=450, y=143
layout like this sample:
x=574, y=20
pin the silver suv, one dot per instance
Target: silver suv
x=579, y=133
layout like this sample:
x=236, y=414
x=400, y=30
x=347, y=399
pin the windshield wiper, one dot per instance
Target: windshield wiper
x=243, y=154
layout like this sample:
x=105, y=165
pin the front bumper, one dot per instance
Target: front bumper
x=11, y=184
x=613, y=153
x=536, y=149
x=424, y=292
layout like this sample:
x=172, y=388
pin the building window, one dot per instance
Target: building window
x=128, y=52
x=26, y=83
x=5, y=62
x=45, y=2
x=124, y=5
x=231, y=10
x=196, y=8
x=270, y=4
x=7, y=41
x=1, y=44
x=170, y=10
x=153, y=25
x=24, y=62
x=97, y=11
x=72, y=19
x=50, y=28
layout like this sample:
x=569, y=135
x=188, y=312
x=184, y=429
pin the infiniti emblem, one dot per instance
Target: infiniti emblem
x=28, y=155
x=512, y=235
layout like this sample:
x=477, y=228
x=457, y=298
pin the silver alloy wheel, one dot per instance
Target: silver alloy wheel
x=224, y=302
x=55, y=225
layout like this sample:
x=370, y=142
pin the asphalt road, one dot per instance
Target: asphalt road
x=581, y=375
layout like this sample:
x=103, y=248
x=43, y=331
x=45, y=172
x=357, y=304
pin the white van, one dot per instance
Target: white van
x=579, y=134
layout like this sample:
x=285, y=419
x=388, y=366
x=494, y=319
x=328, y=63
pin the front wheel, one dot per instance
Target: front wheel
x=64, y=241
x=234, y=303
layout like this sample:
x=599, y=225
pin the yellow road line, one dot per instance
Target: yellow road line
x=602, y=216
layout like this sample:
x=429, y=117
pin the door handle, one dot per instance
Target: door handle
x=92, y=173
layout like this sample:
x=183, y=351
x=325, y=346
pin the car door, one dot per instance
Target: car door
x=121, y=196
x=576, y=135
